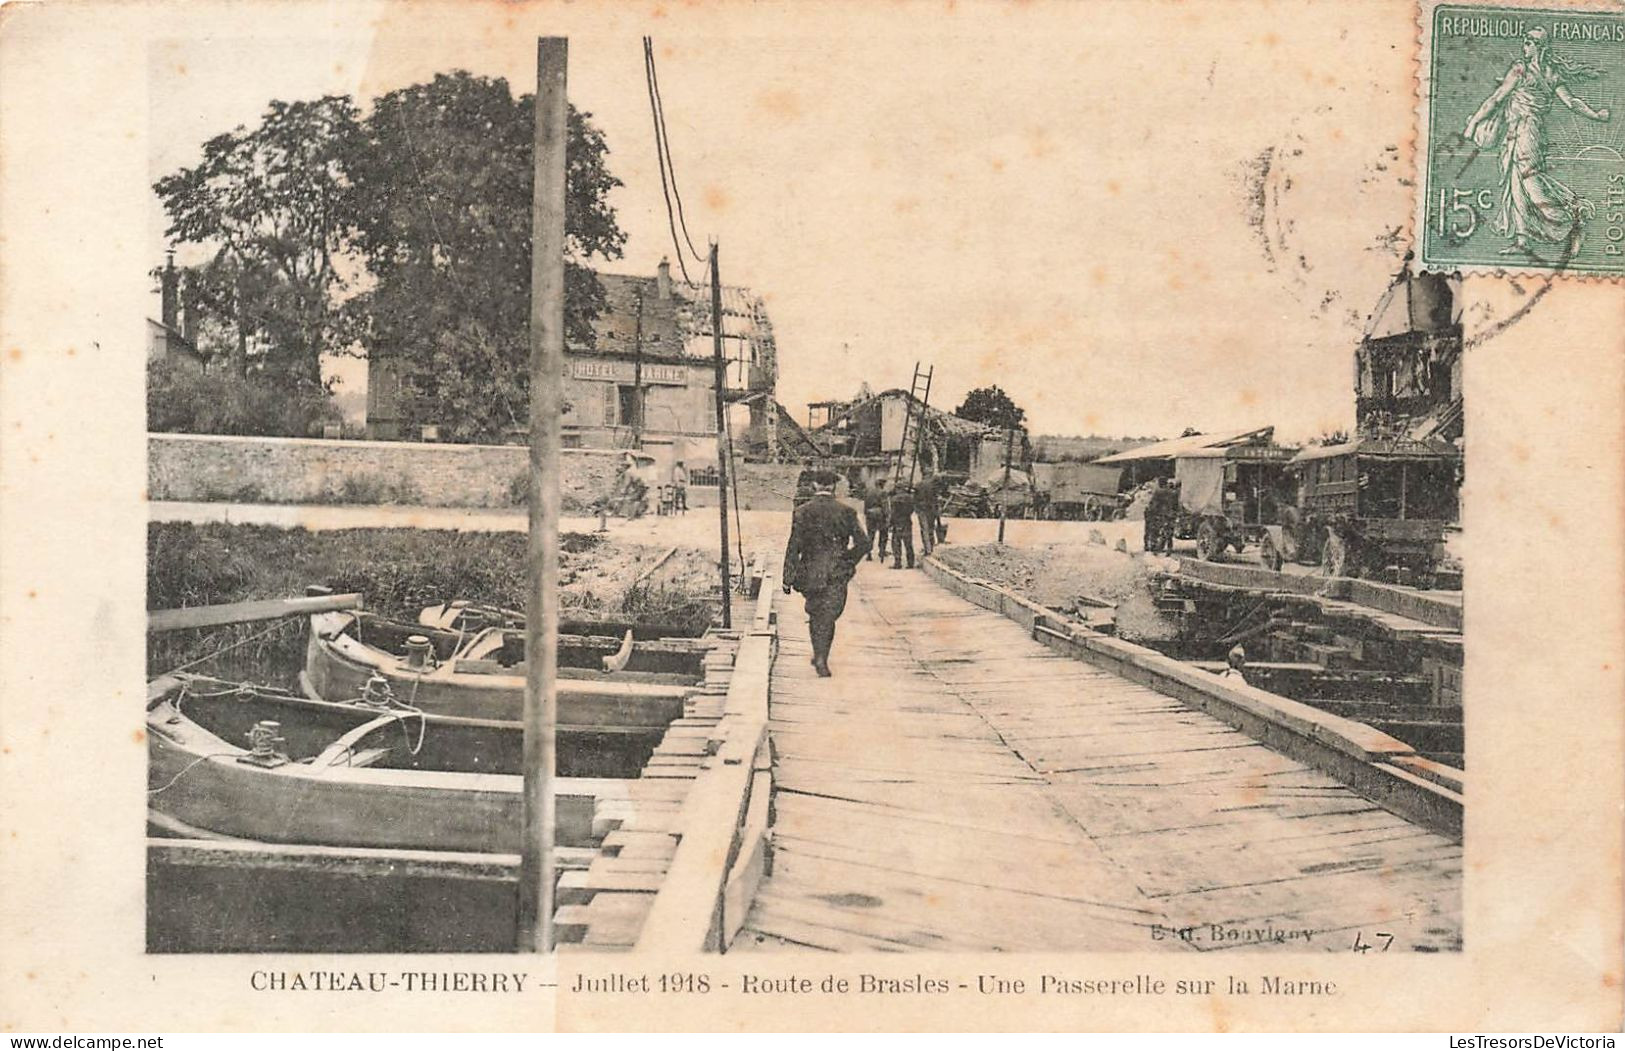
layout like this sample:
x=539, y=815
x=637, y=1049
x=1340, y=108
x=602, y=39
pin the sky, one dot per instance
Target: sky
x=1133, y=218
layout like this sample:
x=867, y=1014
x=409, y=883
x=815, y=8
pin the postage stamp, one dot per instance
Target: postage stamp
x=1522, y=147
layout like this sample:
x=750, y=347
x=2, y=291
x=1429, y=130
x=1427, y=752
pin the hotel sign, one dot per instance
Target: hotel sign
x=626, y=372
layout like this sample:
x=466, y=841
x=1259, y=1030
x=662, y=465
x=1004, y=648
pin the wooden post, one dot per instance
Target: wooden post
x=637, y=376
x=542, y=610
x=1004, y=489
x=722, y=427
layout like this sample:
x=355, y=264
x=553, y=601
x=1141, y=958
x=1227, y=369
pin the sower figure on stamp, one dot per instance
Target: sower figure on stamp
x=826, y=545
x=900, y=520
x=874, y=516
x=1533, y=204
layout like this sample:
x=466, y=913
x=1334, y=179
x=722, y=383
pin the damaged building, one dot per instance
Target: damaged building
x=1407, y=367
x=869, y=430
x=647, y=379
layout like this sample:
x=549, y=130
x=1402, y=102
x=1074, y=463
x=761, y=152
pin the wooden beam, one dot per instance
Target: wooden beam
x=244, y=612
x=535, y=922
x=686, y=916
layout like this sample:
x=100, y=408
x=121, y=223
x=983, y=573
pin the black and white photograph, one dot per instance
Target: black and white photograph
x=951, y=667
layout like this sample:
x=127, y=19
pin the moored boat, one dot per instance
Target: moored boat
x=263, y=764
x=479, y=672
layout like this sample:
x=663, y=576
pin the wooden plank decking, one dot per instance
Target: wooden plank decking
x=958, y=787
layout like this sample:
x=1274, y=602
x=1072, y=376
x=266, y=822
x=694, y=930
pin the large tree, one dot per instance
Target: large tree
x=404, y=234
x=276, y=206
x=991, y=406
x=443, y=191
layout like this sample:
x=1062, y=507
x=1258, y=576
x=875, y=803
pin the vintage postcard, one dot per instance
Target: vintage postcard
x=826, y=516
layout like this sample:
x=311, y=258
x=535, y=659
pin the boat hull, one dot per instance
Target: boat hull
x=338, y=665
x=200, y=779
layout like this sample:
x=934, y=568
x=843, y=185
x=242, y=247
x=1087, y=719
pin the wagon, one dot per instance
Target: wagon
x=1369, y=506
x=1078, y=491
x=1229, y=497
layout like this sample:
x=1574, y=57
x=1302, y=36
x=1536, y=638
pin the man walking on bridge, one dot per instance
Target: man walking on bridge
x=874, y=515
x=900, y=520
x=826, y=545
x=925, y=506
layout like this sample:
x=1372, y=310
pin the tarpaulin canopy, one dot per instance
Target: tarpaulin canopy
x=1201, y=484
x=1189, y=444
x=1387, y=448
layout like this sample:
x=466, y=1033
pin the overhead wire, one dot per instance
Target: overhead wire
x=675, y=220
x=665, y=146
x=662, y=158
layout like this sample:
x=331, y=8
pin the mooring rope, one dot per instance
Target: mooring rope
x=227, y=649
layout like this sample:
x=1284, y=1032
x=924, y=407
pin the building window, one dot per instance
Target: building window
x=628, y=404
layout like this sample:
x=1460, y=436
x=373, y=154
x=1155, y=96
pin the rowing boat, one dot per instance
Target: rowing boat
x=262, y=764
x=481, y=673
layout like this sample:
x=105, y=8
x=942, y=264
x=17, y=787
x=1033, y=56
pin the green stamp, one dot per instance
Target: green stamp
x=1523, y=151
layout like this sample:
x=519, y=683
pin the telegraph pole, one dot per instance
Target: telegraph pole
x=541, y=606
x=722, y=438
x=637, y=377
x=1004, y=490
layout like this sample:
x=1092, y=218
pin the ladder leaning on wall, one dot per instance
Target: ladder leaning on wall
x=908, y=449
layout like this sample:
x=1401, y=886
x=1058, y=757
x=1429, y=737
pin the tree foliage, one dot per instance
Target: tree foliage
x=276, y=205
x=183, y=398
x=444, y=198
x=991, y=406
x=424, y=205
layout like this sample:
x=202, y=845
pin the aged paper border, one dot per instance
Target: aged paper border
x=1544, y=511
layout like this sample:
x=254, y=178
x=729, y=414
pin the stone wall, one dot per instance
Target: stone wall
x=203, y=467
x=321, y=471
x=762, y=487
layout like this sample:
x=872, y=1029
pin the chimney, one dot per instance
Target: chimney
x=663, y=278
x=169, y=287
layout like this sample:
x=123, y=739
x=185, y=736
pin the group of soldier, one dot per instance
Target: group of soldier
x=1161, y=514
x=827, y=542
x=889, y=513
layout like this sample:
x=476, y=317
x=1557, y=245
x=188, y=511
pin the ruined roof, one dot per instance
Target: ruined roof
x=946, y=422
x=1190, y=445
x=1415, y=302
x=736, y=301
x=635, y=316
x=1388, y=448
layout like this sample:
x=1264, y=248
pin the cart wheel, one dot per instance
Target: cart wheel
x=1269, y=554
x=1208, y=544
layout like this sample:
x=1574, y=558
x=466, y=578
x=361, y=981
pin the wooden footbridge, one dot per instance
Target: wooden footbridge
x=978, y=779
x=979, y=774
x=958, y=786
